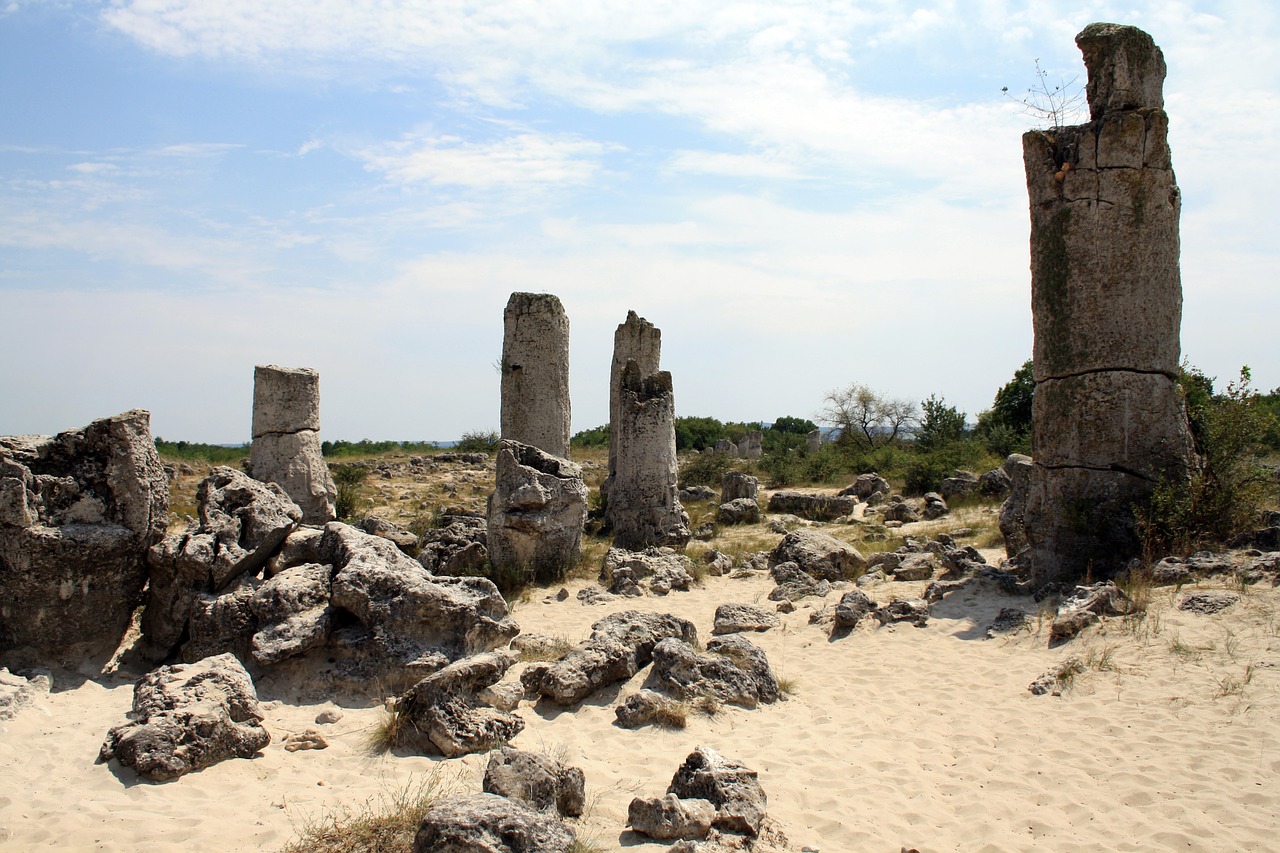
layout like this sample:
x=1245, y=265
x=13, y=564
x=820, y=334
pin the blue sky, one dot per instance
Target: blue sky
x=800, y=195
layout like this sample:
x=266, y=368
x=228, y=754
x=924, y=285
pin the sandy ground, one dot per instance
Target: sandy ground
x=923, y=737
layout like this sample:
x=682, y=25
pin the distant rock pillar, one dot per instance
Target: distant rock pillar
x=636, y=340
x=644, y=504
x=286, y=439
x=1108, y=417
x=535, y=373
x=751, y=445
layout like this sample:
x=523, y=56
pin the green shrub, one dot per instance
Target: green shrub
x=349, y=480
x=479, y=441
x=704, y=469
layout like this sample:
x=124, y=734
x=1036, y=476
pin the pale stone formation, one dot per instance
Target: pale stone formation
x=1108, y=419
x=634, y=340
x=751, y=445
x=286, y=439
x=78, y=512
x=536, y=515
x=644, y=500
x=535, y=373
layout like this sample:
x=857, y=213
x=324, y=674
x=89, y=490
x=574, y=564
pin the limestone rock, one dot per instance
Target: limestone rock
x=960, y=485
x=78, y=512
x=286, y=439
x=794, y=583
x=867, y=485
x=488, y=823
x=913, y=610
x=751, y=445
x=535, y=373
x=293, y=612
x=536, y=514
x=852, y=607
x=188, y=717
x=814, y=507
x=916, y=567
x=934, y=506
x=460, y=547
x=644, y=707
x=736, y=618
x=819, y=554
x=669, y=817
x=619, y=645
x=734, y=671
x=640, y=341
x=222, y=623
x=536, y=780
x=738, y=511
x=1084, y=607
x=1012, y=512
x=736, y=484
x=403, y=538
x=19, y=690
x=902, y=510
x=441, y=713
x=729, y=785
x=656, y=570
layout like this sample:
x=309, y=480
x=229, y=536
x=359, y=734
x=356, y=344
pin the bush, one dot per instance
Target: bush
x=191, y=451
x=349, y=480
x=479, y=441
x=597, y=437
x=704, y=469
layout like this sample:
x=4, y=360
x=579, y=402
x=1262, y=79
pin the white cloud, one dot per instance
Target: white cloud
x=527, y=161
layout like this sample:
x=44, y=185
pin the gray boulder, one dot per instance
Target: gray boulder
x=1084, y=607
x=735, y=485
x=820, y=555
x=459, y=548
x=867, y=485
x=793, y=583
x=916, y=567
x=905, y=510
x=934, y=506
x=188, y=717
x=738, y=511
x=734, y=671
x=812, y=506
x=78, y=512
x=729, y=785
x=442, y=714
x=619, y=646
x=670, y=818
x=913, y=610
x=852, y=607
x=536, y=514
x=736, y=618
x=293, y=612
x=538, y=781
x=655, y=570
x=403, y=538
x=488, y=823
x=962, y=484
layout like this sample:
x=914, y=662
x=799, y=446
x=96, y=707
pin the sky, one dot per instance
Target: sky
x=800, y=195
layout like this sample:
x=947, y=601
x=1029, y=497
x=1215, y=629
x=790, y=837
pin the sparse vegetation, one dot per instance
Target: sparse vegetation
x=349, y=480
x=385, y=824
x=479, y=441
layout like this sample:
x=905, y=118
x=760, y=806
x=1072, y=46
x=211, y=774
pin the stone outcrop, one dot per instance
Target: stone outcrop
x=242, y=524
x=636, y=340
x=655, y=570
x=286, y=439
x=867, y=485
x=1108, y=420
x=738, y=511
x=812, y=506
x=188, y=717
x=668, y=818
x=819, y=554
x=443, y=714
x=538, y=781
x=488, y=823
x=459, y=547
x=729, y=785
x=734, y=671
x=644, y=503
x=735, y=485
x=535, y=373
x=737, y=618
x=536, y=514
x=619, y=646
x=78, y=512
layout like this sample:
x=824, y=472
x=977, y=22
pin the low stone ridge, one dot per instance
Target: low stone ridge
x=913, y=610
x=442, y=713
x=814, y=507
x=734, y=670
x=654, y=570
x=188, y=717
x=820, y=555
x=736, y=618
x=669, y=818
x=1007, y=621
x=18, y=690
x=488, y=823
x=458, y=548
x=403, y=538
x=729, y=785
x=538, y=781
x=1085, y=606
x=619, y=646
x=536, y=514
x=738, y=511
x=867, y=485
x=1207, y=603
x=242, y=524
x=78, y=512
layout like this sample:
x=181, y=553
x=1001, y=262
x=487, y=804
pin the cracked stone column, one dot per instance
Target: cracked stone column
x=286, y=439
x=1106, y=295
x=637, y=340
x=535, y=373
x=644, y=503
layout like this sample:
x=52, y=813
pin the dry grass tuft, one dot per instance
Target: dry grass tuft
x=385, y=824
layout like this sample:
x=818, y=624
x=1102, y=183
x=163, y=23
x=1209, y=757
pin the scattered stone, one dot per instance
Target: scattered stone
x=793, y=583
x=670, y=817
x=738, y=511
x=488, y=823
x=916, y=567
x=851, y=608
x=286, y=439
x=592, y=594
x=820, y=555
x=306, y=739
x=736, y=618
x=442, y=713
x=655, y=570
x=188, y=717
x=536, y=514
x=459, y=548
x=697, y=494
x=867, y=485
x=785, y=606
x=535, y=373
x=913, y=610
x=901, y=510
x=814, y=507
x=734, y=671
x=961, y=485
x=1207, y=603
x=727, y=784
x=1084, y=607
x=718, y=563
x=329, y=715
x=538, y=781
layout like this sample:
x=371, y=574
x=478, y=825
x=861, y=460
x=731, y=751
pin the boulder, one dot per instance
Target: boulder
x=656, y=570
x=962, y=484
x=78, y=512
x=734, y=671
x=669, y=818
x=459, y=548
x=902, y=510
x=819, y=555
x=696, y=494
x=18, y=690
x=1013, y=510
x=293, y=613
x=403, y=538
x=222, y=623
x=644, y=707
x=188, y=717
x=934, y=506
x=488, y=823
x=536, y=514
x=852, y=607
x=814, y=507
x=867, y=485
x=916, y=567
x=913, y=610
x=729, y=785
x=442, y=714
x=736, y=618
x=538, y=781
x=793, y=583
x=738, y=511
x=1084, y=607
x=718, y=563
x=994, y=483
x=735, y=485
x=619, y=645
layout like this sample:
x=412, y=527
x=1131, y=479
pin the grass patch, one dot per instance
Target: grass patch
x=786, y=686
x=1234, y=685
x=559, y=646
x=385, y=734
x=383, y=824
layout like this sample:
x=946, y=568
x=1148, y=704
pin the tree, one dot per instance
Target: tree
x=866, y=418
x=798, y=426
x=695, y=433
x=940, y=425
x=1006, y=427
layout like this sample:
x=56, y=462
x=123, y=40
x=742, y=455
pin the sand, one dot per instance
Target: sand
x=892, y=736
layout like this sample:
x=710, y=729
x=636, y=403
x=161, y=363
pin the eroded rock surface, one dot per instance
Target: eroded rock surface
x=488, y=823
x=442, y=712
x=536, y=514
x=535, y=373
x=538, y=781
x=286, y=439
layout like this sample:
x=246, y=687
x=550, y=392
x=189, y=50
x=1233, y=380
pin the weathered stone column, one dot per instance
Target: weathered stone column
x=536, y=515
x=1106, y=296
x=639, y=340
x=286, y=439
x=643, y=501
x=535, y=373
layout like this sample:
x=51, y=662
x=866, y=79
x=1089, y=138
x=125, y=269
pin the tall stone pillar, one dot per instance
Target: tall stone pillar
x=1106, y=296
x=637, y=340
x=643, y=501
x=536, y=516
x=535, y=373
x=286, y=439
